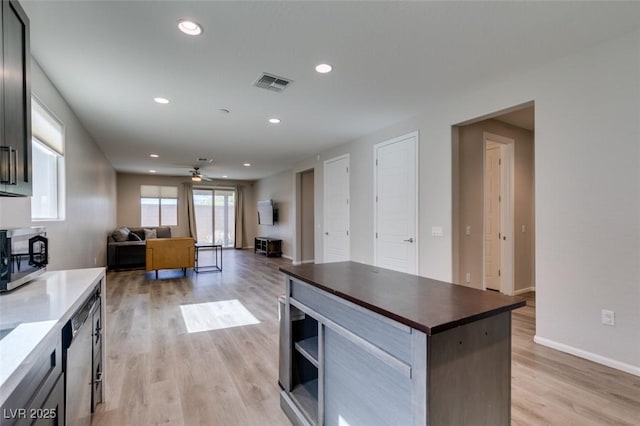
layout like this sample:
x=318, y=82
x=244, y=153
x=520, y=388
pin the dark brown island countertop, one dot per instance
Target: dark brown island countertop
x=425, y=304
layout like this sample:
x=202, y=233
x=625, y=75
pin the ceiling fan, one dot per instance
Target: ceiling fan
x=197, y=176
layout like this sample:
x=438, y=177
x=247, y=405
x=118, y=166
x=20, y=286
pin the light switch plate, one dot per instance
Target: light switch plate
x=436, y=231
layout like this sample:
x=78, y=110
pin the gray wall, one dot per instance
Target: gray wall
x=469, y=248
x=129, y=201
x=278, y=188
x=79, y=240
x=587, y=193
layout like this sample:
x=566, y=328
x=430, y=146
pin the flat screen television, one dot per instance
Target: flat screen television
x=267, y=213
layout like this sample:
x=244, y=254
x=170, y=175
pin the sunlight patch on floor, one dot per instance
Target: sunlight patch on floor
x=216, y=315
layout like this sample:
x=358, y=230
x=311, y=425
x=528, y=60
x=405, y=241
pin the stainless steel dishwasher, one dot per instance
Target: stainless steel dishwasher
x=77, y=336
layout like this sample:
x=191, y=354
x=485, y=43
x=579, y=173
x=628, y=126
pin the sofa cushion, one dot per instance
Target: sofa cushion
x=163, y=232
x=134, y=237
x=150, y=233
x=121, y=234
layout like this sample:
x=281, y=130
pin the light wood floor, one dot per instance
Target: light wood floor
x=160, y=374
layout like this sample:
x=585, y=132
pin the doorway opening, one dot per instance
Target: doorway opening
x=305, y=217
x=493, y=212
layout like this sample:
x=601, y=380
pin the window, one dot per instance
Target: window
x=215, y=216
x=48, y=200
x=158, y=205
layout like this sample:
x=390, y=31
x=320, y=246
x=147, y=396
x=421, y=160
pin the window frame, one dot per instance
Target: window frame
x=227, y=208
x=159, y=199
x=57, y=149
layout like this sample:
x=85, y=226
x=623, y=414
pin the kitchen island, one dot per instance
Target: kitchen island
x=362, y=345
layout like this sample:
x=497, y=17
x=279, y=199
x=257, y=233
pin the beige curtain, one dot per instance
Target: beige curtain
x=239, y=217
x=190, y=209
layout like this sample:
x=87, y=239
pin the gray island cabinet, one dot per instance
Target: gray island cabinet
x=361, y=345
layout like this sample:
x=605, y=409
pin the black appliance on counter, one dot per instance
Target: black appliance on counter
x=24, y=254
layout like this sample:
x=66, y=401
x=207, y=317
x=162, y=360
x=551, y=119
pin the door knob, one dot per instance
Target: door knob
x=410, y=240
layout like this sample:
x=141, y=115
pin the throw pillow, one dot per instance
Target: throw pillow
x=150, y=233
x=121, y=234
x=134, y=237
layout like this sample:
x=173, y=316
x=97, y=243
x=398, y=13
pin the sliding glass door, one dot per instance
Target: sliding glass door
x=215, y=214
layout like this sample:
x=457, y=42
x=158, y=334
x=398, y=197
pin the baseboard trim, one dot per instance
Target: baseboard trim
x=297, y=262
x=287, y=257
x=627, y=368
x=524, y=290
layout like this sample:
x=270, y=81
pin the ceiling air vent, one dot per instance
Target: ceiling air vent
x=272, y=82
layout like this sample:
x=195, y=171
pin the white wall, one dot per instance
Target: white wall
x=90, y=191
x=587, y=171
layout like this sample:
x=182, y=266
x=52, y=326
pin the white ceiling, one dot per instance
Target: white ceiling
x=109, y=59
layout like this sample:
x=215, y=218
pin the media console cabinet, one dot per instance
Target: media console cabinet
x=268, y=246
x=361, y=345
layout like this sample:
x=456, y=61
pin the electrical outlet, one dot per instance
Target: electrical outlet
x=468, y=277
x=468, y=230
x=95, y=260
x=608, y=317
x=524, y=228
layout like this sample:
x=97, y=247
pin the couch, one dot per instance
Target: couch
x=170, y=253
x=127, y=248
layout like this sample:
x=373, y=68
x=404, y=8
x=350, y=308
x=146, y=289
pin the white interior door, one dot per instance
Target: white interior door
x=492, y=199
x=396, y=201
x=499, y=213
x=336, y=209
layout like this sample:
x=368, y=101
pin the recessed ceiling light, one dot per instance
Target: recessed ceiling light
x=161, y=100
x=247, y=164
x=189, y=27
x=225, y=176
x=274, y=120
x=154, y=155
x=152, y=171
x=324, y=68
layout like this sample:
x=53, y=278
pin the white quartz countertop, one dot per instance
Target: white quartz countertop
x=31, y=315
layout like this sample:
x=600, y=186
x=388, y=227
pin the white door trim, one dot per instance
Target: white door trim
x=416, y=135
x=507, y=212
x=324, y=205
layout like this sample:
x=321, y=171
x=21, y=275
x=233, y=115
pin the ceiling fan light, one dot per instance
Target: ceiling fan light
x=196, y=178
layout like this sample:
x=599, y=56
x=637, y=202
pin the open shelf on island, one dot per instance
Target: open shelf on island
x=306, y=396
x=309, y=349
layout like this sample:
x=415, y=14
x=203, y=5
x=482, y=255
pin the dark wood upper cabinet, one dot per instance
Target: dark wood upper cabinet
x=15, y=105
